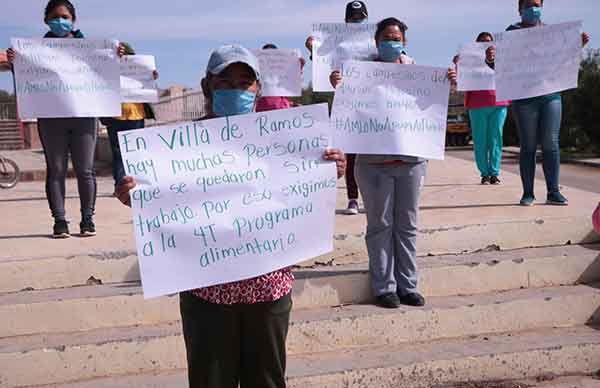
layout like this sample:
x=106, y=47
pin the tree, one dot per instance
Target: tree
x=6, y=96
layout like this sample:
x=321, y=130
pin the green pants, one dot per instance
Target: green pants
x=487, y=125
x=237, y=344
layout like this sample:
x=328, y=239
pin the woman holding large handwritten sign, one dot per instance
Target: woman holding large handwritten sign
x=61, y=136
x=391, y=186
x=539, y=119
x=236, y=332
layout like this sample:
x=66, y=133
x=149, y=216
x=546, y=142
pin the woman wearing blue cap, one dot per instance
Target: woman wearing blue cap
x=235, y=333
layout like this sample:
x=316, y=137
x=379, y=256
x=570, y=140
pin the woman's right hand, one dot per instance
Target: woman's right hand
x=10, y=55
x=335, y=78
x=309, y=43
x=123, y=188
x=490, y=54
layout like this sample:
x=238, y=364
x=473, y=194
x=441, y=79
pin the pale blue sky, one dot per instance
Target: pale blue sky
x=181, y=33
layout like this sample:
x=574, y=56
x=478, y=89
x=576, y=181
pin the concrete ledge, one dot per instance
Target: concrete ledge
x=490, y=357
x=121, y=304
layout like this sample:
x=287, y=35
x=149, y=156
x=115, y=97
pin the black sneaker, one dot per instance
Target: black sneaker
x=556, y=199
x=388, y=301
x=485, y=180
x=495, y=180
x=87, y=227
x=60, y=229
x=413, y=299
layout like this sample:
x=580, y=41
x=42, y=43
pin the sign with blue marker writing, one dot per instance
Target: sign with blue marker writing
x=335, y=43
x=473, y=71
x=391, y=109
x=232, y=198
x=67, y=78
x=537, y=61
x=280, y=72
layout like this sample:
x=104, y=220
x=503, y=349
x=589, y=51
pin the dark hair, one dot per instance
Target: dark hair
x=269, y=46
x=53, y=4
x=385, y=23
x=522, y=3
x=483, y=35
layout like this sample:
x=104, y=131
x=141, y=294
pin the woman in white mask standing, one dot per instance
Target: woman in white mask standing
x=390, y=186
x=539, y=121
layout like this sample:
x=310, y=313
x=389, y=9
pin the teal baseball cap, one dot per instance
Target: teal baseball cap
x=229, y=54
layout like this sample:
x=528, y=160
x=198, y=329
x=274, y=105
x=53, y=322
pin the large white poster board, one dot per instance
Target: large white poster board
x=386, y=108
x=336, y=43
x=137, y=79
x=473, y=72
x=67, y=78
x=537, y=61
x=231, y=198
x=281, y=73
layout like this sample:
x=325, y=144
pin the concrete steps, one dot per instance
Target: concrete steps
x=424, y=365
x=75, y=354
x=10, y=135
x=122, y=304
x=512, y=294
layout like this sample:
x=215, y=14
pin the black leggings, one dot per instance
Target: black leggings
x=238, y=344
x=59, y=137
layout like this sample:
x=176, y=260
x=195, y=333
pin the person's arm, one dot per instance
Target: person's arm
x=338, y=156
x=335, y=78
x=309, y=45
x=124, y=186
x=490, y=57
x=10, y=57
x=585, y=39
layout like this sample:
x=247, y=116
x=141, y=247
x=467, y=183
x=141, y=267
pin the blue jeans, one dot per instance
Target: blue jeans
x=539, y=120
x=391, y=197
x=116, y=126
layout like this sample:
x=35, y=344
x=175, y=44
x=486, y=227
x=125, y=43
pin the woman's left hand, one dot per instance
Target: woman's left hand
x=334, y=154
x=121, y=50
x=452, y=76
x=585, y=38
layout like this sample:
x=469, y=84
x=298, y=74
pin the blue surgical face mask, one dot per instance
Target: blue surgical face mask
x=60, y=27
x=390, y=50
x=230, y=102
x=532, y=15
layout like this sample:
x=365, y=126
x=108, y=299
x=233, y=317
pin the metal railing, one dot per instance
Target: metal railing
x=187, y=107
x=8, y=111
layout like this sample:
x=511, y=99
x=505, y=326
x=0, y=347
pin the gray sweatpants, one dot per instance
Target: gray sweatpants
x=391, y=196
x=59, y=137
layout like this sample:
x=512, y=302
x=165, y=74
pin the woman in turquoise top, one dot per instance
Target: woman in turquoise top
x=539, y=120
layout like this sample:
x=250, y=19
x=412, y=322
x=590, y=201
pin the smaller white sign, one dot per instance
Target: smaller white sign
x=537, y=61
x=473, y=71
x=391, y=109
x=137, y=79
x=281, y=73
x=66, y=77
x=336, y=43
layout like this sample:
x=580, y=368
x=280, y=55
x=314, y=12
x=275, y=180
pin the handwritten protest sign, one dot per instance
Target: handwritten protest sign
x=473, y=72
x=386, y=108
x=137, y=79
x=336, y=43
x=66, y=77
x=280, y=72
x=230, y=198
x=537, y=61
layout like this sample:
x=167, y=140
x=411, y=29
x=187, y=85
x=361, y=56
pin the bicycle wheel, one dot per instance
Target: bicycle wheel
x=9, y=173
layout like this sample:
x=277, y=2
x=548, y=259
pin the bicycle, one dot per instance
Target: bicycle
x=9, y=173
